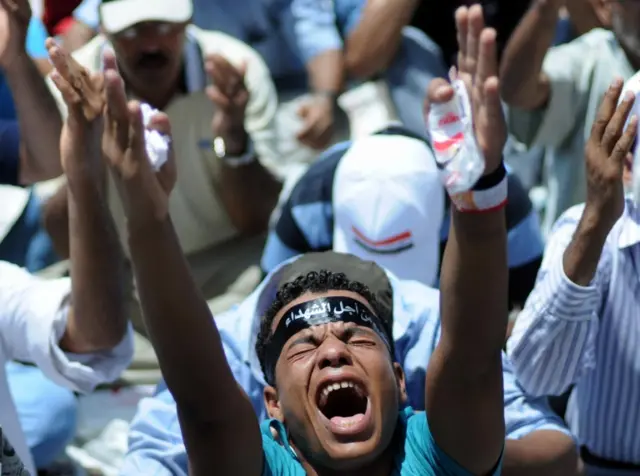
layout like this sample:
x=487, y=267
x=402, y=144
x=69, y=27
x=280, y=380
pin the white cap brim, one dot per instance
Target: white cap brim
x=118, y=15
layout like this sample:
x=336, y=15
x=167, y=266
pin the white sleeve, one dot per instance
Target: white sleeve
x=33, y=317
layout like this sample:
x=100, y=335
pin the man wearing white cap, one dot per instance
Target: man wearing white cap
x=380, y=198
x=222, y=103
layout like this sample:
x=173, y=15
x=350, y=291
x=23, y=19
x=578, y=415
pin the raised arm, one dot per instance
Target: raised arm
x=464, y=391
x=98, y=319
x=216, y=417
x=38, y=114
x=576, y=270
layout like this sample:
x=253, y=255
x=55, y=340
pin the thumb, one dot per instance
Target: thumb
x=438, y=92
x=303, y=110
x=160, y=122
x=242, y=68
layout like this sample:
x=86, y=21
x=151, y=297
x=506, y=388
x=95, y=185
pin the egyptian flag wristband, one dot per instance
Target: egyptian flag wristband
x=488, y=194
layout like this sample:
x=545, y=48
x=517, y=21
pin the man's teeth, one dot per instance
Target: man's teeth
x=338, y=385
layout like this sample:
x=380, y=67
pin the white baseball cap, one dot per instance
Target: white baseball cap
x=118, y=15
x=388, y=205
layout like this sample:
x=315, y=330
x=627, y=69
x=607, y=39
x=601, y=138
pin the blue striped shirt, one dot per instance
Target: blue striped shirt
x=588, y=337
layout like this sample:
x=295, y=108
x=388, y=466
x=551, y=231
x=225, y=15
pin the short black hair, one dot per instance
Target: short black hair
x=318, y=282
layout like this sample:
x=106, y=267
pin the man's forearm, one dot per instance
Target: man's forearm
x=581, y=258
x=371, y=46
x=40, y=121
x=326, y=72
x=178, y=321
x=522, y=82
x=475, y=266
x=99, y=317
x=249, y=192
x=542, y=452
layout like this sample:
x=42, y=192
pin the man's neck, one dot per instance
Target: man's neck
x=382, y=466
x=634, y=60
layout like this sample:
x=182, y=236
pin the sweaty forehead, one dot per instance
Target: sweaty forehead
x=307, y=297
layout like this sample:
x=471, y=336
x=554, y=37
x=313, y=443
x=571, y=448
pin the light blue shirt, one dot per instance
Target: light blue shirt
x=265, y=25
x=322, y=25
x=155, y=440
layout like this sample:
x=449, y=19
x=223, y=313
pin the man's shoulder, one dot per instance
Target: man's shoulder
x=89, y=55
x=594, y=44
x=316, y=185
x=213, y=41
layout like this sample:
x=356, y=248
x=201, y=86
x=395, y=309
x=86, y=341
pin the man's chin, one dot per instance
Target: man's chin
x=351, y=456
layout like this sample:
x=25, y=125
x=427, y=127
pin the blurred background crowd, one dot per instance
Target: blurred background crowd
x=298, y=126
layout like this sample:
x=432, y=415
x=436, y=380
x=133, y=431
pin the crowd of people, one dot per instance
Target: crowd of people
x=243, y=211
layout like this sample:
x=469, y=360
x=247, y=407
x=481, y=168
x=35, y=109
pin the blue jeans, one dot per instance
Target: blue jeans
x=27, y=244
x=47, y=412
x=418, y=61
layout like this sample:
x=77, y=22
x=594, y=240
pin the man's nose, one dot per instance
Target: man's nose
x=333, y=353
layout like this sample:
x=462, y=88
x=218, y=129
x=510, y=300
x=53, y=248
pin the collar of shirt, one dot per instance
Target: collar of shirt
x=410, y=300
x=194, y=72
x=630, y=229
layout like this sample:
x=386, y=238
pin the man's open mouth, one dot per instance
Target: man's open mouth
x=345, y=404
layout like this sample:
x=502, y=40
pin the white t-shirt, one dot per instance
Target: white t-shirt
x=33, y=317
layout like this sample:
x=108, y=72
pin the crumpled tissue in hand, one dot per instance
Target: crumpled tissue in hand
x=157, y=144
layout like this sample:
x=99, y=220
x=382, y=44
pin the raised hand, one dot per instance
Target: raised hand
x=80, y=148
x=230, y=95
x=478, y=68
x=143, y=191
x=14, y=22
x=605, y=155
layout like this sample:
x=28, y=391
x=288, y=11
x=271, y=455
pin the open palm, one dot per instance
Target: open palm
x=143, y=191
x=478, y=69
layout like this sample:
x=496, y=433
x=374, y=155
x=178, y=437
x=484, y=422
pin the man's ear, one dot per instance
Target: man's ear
x=272, y=403
x=401, y=382
x=602, y=10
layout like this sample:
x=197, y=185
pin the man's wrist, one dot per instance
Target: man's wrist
x=594, y=225
x=19, y=64
x=235, y=139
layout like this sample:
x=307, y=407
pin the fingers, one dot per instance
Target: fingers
x=69, y=95
x=492, y=104
x=225, y=76
x=109, y=61
x=606, y=110
x=487, y=65
x=116, y=111
x=136, y=133
x=614, y=129
x=218, y=98
x=88, y=87
x=625, y=143
x=475, y=25
x=160, y=122
x=461, y=17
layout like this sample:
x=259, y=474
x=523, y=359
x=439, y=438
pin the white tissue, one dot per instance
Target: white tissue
x=157, y=144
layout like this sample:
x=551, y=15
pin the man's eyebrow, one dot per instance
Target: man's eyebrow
x=304, y=339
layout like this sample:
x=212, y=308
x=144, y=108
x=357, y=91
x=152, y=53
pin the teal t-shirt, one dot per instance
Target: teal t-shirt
x=417, y=456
